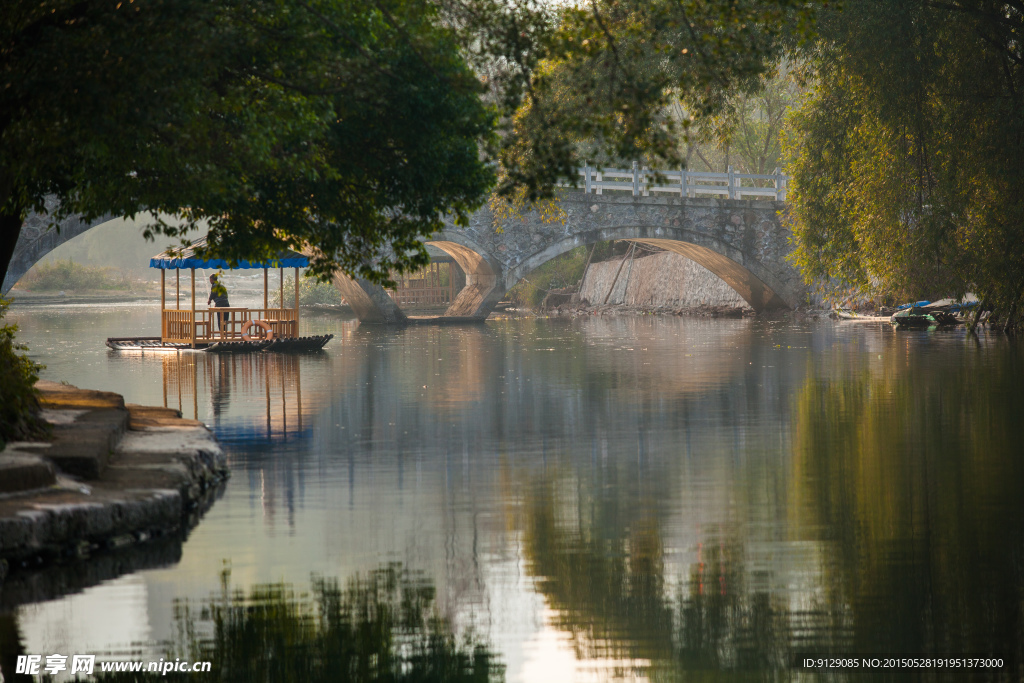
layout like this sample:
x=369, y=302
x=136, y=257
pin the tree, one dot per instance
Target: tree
x=908, y=158
x=345, y=126
x=613, y=69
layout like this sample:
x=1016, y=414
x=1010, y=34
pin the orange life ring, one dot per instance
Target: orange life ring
x=262, y=324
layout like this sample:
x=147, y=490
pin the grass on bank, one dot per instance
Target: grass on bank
x=69, y=276
x=311, y=293
x=560, y=272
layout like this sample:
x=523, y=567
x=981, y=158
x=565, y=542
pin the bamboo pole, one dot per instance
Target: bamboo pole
x=619, y=272
x=193, y=308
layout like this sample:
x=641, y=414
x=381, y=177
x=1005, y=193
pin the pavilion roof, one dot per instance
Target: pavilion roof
x=185, y=257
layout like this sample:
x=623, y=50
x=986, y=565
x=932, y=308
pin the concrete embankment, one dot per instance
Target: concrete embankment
x=112, y=475
x=663, y=282
x=659, y=280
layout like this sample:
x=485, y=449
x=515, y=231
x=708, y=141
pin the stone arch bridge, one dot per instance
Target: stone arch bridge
x=744, y=242
x=741, y=241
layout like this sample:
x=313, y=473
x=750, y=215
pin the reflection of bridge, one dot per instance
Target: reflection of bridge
x=744, y=242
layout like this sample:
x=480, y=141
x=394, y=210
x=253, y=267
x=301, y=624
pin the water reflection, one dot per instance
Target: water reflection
x=382, y=626
x=911, y=472
x=215, y=379
x=603, y=499
x=903, y=487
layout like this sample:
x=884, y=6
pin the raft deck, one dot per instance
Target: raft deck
x=156, y=345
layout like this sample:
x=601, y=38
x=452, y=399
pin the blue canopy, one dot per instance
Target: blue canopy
x=173, y=259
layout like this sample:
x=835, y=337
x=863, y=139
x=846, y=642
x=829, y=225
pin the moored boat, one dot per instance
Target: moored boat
x=929, y=314
x=844, y=314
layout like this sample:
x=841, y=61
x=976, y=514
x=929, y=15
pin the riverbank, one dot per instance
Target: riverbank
x=20, y=297
x=112, y=475
x=572, y=305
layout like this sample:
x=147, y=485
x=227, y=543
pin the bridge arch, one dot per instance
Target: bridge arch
x=751, y=280
x=483, y=289
x=38, y=239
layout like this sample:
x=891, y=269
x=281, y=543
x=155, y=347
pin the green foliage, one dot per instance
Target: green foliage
x=747, y=134
x=348, y=127
x=311, y=293
x=19, y=400
x=908, y=158
x=380, y=627
x=74, y=277
x=560, y=272
x=614, y=67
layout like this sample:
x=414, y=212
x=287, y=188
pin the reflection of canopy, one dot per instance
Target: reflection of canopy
x=186, y=258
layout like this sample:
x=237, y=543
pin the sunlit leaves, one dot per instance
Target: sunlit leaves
x=908, y=173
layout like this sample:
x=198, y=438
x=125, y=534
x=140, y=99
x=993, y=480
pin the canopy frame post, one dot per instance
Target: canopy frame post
x=265, y=271
x=193, y=307
x=280, y=298
x=177, y=288
x=163, y=305
x=296, y=301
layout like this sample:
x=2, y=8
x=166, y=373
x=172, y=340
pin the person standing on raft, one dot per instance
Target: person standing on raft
x=219, y=298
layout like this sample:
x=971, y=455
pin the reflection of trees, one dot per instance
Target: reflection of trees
x=378, y=627
x=904, y=478
x=599, y=561
x=912, y=470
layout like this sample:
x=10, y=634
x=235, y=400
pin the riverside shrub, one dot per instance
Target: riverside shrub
x=66, y=275
x=19, y=399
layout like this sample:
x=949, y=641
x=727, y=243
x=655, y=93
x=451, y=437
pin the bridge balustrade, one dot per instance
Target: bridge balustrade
x=641, y=182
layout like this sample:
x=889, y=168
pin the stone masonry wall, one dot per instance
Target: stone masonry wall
x=663, y=279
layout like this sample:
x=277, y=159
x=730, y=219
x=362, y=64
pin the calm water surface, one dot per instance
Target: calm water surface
x=550, y=500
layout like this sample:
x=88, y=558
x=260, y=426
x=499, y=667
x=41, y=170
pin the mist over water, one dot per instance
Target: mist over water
x=605, y=498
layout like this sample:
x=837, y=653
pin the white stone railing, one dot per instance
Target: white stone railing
x=642, y=182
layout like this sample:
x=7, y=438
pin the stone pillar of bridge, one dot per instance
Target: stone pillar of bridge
x=369, y=301
x=484, y=282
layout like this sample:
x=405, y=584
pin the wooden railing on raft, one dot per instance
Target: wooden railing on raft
x=180, y=327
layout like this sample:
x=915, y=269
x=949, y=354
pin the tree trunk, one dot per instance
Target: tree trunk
x=10, y=231
x=1008, y=326
x=977, y=316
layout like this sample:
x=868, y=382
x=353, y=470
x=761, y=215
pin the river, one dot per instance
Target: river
x=631, y=498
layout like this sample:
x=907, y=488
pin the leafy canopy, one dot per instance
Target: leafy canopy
x=908, y=157
x=349, y=129
x=613, y=69
x=344, y=126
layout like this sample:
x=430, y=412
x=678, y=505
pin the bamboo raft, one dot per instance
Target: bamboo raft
x=223, y=329
x=156, y=345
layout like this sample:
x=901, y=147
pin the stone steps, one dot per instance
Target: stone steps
x=87, y=426
x=112, y=472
